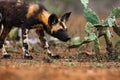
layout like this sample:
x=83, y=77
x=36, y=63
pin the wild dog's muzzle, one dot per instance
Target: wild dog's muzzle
x=61, y=35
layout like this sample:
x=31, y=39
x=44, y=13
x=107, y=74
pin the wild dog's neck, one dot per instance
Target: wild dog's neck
x=41, y=13
x=43, y=17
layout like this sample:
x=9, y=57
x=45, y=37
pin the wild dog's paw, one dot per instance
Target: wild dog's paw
x=47, y=60
x=51, y=55
x=28, y=56
x=6, y=56
x=54, y=56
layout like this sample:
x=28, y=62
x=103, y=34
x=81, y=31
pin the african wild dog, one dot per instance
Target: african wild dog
x=31, y=16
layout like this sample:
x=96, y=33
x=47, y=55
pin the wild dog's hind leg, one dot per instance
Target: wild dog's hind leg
x=3, y=35
x=25, y=44
x=46, y=45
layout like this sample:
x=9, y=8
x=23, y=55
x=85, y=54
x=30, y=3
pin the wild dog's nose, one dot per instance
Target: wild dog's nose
x=67, y=39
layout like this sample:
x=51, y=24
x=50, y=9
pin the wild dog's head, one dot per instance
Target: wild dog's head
x=58, y=26
x=52, y=24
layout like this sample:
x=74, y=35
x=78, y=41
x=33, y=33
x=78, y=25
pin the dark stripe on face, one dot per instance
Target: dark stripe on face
x=63, y=25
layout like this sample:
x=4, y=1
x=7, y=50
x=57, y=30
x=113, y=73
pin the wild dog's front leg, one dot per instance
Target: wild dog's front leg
x=25, y=44
x=45, y=44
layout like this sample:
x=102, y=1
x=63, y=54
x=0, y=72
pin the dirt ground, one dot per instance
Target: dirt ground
x=67, y=68
x=27, y=71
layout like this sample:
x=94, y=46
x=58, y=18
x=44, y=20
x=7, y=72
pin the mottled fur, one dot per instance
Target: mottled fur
x=27, y=16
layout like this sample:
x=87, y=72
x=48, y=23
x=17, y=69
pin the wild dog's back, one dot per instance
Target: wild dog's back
x=18, y=12
x=5, y=4
x=13, y=12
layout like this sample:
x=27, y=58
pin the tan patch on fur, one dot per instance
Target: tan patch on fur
x=18, y=4
x=32, y=9
x=43, y=16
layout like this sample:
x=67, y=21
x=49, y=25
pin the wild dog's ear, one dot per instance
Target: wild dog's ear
x=53, y=19
x=65, y=17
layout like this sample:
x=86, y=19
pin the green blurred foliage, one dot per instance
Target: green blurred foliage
x=13, y=35
x=85, y=3
x=91, y=16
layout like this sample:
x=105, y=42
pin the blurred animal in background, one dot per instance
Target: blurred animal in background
x=31, y=16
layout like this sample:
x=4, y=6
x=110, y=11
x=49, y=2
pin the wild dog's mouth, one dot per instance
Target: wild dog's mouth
x=61, y=35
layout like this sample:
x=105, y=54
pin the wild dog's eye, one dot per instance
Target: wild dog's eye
x=63, y=25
